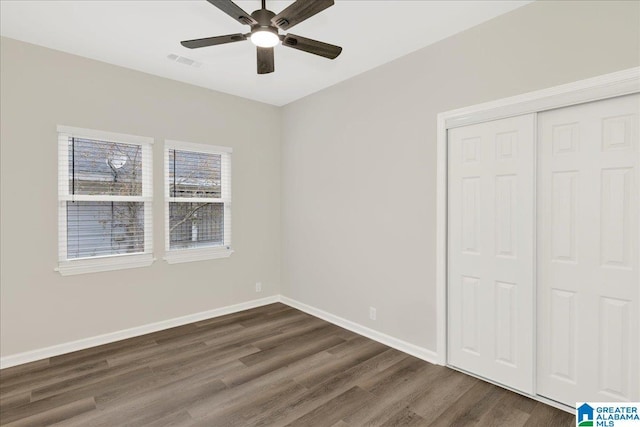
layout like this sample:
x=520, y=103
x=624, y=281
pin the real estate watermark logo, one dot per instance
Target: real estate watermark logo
x=584, y=417
x=608, y=414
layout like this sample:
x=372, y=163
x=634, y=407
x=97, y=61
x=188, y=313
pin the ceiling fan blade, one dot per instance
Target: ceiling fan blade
x=299, y=11
x=265, y=60
x=212, y=41
x=234, y=11
x=312, y=46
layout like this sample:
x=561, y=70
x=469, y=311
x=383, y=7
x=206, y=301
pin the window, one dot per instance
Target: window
x=105, y=201
x=197, y=202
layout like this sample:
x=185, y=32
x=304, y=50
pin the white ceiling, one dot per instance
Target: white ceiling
x=141, y=34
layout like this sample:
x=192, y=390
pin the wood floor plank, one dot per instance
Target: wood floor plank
x=180, y=366
x=335, y=409
x=350, y=345
x=244, y=336
x=155, y=353
x=545, y=415
x=69, y=395
x=181, y=418
x=19, y=370
x=393, y=376
x=289, y=345
x=200, y=335
x=14, y=400
x=289, y=331
x=146, y=411
x=30, y=381
x=341, y=363
x=394, y=394
x=330, y=388
x=257, y=386
x=233, y=397
x=245, y=411
x=156, y=386
x=511, y=410
x=268, y=366
x=471, y=406
x=404, y=417
x=152, y=407
x=82, y=381
x=445, y=388
x=244, y=315
x=56, y=414
x=100, y=352
x=277, y=318
x=231, y=319
x=251, y=372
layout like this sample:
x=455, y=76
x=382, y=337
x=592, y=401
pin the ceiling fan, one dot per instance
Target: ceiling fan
x=265, y=26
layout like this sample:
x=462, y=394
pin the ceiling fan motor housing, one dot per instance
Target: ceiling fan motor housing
x=263, y=17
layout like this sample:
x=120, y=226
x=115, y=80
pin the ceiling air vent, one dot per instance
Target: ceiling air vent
x=183, y=60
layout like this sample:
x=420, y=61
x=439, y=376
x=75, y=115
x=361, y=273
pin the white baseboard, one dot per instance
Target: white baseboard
x=56, y=350
x=412, y=349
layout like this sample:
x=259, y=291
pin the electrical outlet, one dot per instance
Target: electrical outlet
x=372, y=313
x=258, y=286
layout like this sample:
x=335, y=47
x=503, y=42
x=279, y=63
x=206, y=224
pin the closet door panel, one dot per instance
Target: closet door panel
x=491, y=223
x=588, y=258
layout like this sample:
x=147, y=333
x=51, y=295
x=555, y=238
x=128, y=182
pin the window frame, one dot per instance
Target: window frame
x=100, y=263
x=180, y=255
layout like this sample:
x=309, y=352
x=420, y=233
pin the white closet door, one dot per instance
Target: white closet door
x=588, y=258
x=491, y=229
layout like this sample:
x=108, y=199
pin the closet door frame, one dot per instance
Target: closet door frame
x=611, y=85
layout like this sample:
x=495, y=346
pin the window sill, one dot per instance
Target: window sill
x=110, y=263
x=196, y=254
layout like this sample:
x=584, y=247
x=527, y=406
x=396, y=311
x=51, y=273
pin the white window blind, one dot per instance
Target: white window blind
x=105, y=200
x=197, y=201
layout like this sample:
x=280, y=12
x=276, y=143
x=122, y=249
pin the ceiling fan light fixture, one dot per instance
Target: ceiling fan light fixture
x=264, y=38
x=265, y=31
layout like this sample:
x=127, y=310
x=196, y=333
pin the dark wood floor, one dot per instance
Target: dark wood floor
x=270, y=366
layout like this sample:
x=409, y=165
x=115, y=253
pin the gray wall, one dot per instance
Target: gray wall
x=359, y=158
x=41, y=88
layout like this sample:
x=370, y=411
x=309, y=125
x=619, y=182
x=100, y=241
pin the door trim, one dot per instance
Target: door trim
x=620, y=83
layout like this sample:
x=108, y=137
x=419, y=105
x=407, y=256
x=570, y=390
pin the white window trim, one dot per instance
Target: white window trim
x=105, y=263
x=67, y=267
x=175, y=256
